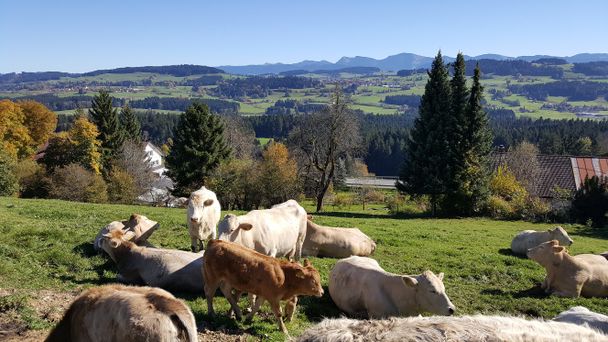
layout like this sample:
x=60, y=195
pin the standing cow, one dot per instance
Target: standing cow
x=530, y=238
x=359, y=286
x=126, y=314
x=277, y=232
x=571, y=276
x=202, y=216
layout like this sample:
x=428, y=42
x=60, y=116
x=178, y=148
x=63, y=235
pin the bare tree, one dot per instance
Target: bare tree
x=523, y=162
x=239, y=136
x=321, y=139
x=134, y=160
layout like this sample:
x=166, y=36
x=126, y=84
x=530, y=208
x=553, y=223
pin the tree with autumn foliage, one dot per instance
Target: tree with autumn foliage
x=15, y=139
x=39, y=120
x=278, y=176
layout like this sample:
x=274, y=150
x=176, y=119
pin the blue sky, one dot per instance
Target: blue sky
x=84, y=35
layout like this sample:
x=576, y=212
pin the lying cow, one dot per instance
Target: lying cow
x=167, y=268
x=334, y=242
x=360, y=287
x=441, y=328
x=237, y=267
x=530, y=238
x=582, y=316
x=277, y=232
x=141, y=226
x=571, y=276
x=123, y=313
x=202, y=216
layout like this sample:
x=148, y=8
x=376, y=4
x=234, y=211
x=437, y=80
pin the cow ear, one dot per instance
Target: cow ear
x=245, y=226
x=309, y=217
x=306, y=263
x=300, y=274
x=409, y=281
x=207, y=203
x=440, y=276
x=107, y=235
x=558, y=249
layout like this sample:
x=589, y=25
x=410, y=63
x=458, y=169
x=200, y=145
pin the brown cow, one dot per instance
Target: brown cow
x=236, y=267
x=124, y=313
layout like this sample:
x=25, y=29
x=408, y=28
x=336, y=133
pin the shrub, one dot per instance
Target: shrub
x=342, y=199
x=121, y=187
x=591, y=201
x=74, y=183
x=500, y=208
x=9, y=184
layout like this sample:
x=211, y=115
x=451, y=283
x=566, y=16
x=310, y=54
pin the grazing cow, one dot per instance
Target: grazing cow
x=123, y=313
x=203, y=214
x=530, y=238
x=360, y=287
x=141, y=226
x=237, y=267
x=334, y=242
x=571, y=276
x=170, y=269
x=277, y=232
x=476, y=328
x=582, y=316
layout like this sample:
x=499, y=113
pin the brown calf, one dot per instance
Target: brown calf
x=236, y=267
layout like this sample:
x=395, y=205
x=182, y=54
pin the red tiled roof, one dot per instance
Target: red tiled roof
x=587, y=167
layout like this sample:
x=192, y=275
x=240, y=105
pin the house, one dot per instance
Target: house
x=155, y=158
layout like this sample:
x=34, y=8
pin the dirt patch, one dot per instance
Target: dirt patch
x=50, y=305
x=223, y=336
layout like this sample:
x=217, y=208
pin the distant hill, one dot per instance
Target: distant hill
x=402, y=61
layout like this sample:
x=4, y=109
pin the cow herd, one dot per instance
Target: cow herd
x=254, y=254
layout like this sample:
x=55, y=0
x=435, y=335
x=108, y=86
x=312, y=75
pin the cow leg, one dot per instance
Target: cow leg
x=275, y=305
x=227, y=291
x=251, y=298
x=290, y=308
x=200, y=245
x=209, y=293
x=254, y=309
x=193, y=244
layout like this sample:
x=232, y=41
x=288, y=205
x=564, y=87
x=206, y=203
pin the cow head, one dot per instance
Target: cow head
x=309, y=279
x=230, y=227
x=547, y=253
x=142, y=226
x=115, y=239
x=430, y=293
x=197, y=205
x=558, y=233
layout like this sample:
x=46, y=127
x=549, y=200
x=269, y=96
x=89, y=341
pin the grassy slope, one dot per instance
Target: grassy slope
x=46, y=244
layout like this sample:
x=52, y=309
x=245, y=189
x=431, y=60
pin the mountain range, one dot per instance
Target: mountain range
x=402, y=61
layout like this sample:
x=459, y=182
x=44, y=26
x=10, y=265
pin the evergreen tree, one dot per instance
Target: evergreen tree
x=198, y=148
x=111, y=134
x=130, y=122
x=429, y=146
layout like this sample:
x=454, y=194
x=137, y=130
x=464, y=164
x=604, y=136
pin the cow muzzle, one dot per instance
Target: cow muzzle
x=451, y=311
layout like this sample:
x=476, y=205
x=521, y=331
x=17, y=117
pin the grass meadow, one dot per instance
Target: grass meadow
x=45, y=245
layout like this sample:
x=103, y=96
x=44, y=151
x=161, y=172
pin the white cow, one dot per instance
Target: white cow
x=360, y=287
x=476, y=328
x=336, y=242
x=277, y=232
x=580, y=315
x=141, y=226
x=531, y=238
x=203, y=214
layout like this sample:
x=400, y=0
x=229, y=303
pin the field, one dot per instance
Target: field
x=46, y=257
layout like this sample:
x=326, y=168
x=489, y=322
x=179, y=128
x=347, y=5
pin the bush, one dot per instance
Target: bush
x=234, y=183
x=75, y=183
x=342, y=199
x=121, y=187
x=9, y=184
x=500, y=208
x=591, y=201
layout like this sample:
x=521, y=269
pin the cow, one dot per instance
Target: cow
x=334, y=242
x=141, y=226
x=360, y=287
x=530, y=238
x=582, y=316
x=571, y=276
x=277, y=232
x=124, y=313
x=170, y=269
x=441, y=328
x=202, y=216
x=231, y=266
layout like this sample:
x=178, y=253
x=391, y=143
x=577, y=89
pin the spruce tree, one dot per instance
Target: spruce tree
x=111, y=134
x=429, y=148
x=198, y=148
x=129, y=121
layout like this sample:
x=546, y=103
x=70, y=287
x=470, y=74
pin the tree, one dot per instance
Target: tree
x=199, y=147
x=426, y=169
x=134, y=160
x=39, y=120
x=9, y=184
x=111, y=132
x=239, y=136
x=523, y=162
x=591, y=201
x=321, y=139
x=15, y=139
x=130, y=123
x=278, y=176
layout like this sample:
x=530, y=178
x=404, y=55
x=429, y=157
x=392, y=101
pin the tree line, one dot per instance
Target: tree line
x=573, y=90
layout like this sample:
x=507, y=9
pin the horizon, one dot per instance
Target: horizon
x=68, y=38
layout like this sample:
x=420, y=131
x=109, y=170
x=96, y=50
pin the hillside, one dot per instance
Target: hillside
x=46, y=258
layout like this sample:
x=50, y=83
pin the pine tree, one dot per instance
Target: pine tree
x=198, y=148
x=111, y=133
x=429, y=147
x=131, y=124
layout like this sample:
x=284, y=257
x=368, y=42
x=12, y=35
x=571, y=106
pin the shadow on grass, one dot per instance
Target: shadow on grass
x=534, y=292
x=509, y=252
x=598, y=233
x=316, y=309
